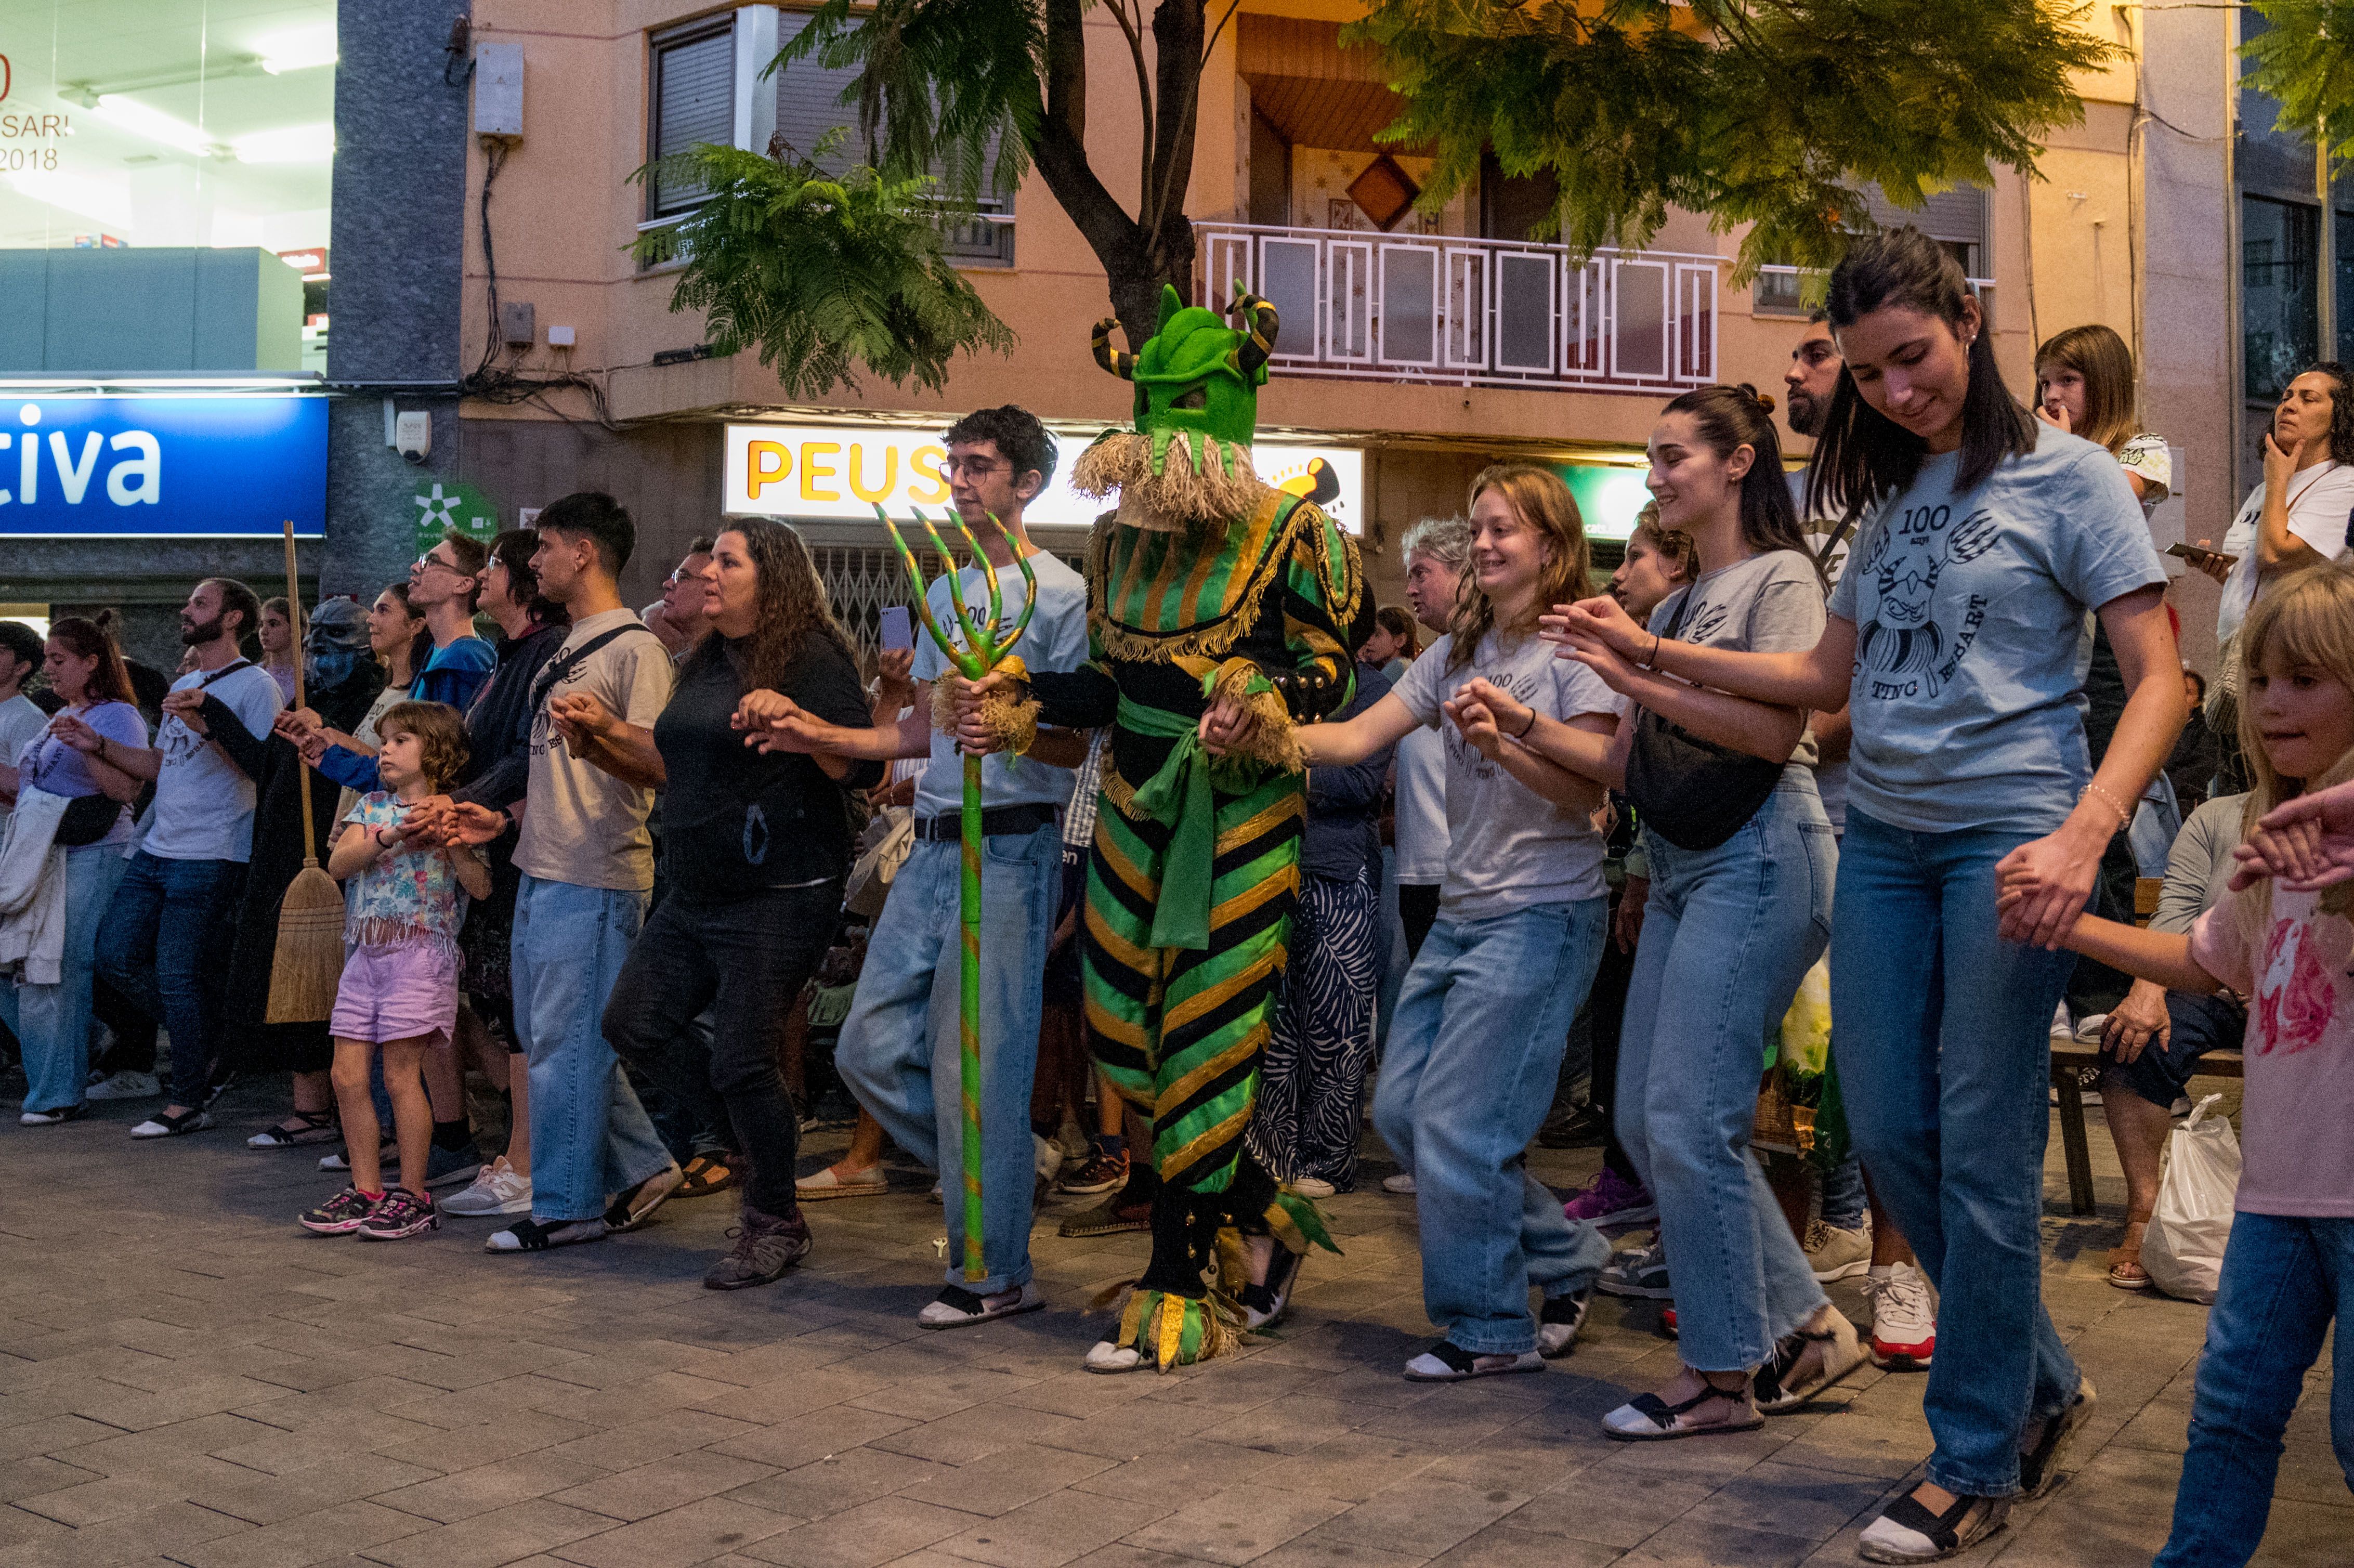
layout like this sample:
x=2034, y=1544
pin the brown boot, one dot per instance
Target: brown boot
x=766, y=1246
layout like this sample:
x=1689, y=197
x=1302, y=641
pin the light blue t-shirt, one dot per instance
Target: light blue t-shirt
x=1972, y=639
x=1056, y=642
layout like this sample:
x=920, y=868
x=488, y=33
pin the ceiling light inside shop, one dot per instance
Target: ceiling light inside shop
x=153, y=123
x=105, y=201
x=289, y=144
x=297, y=50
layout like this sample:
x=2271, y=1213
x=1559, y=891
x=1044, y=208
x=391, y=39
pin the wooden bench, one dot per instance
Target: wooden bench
x=2068, y=1059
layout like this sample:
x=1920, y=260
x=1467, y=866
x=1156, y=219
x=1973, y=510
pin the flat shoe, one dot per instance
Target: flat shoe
x=636, y=1206
x=824, y=1185
x=2039, y=1467
x=1647, y=1418
x=531, y=1235
x=1447, y=1362
x=1908, y=1533
x=1781, y=1386
x=956, y=1308
x=301, y=1128
x=1106, y=1356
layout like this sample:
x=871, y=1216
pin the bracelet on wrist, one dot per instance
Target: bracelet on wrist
x=1524, y=732
x=2125, y=818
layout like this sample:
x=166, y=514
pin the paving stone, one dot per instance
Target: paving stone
x=863, y=1537
x=350, y=1527
x=1240, y=1524
x=1002, y=1481
x=708, y=1528
x=1054, y=1530
x=487, y=1540
x=665, y=1485
x=839, y=1481
x=462, y=1494
x=1424, y=1515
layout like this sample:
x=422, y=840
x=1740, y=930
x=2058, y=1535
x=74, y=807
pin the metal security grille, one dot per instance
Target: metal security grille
x=863, y=581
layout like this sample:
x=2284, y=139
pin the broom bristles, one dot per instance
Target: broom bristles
x=308, y=960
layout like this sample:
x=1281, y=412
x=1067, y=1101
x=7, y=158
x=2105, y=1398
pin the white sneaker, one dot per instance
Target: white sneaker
x=497, y=1189
x=2063, y=1026
x=1048, y=1156
x=1904, y=1319
x=125, y=1085
x=1835, y=1252
x=1314, y=1187
x=1401, y=1185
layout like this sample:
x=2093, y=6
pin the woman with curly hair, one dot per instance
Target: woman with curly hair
x=758, y=842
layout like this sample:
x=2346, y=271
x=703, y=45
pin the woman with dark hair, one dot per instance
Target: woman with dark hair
x=2295, y=517
x=50, y=1016
x=1955, y=636
x=1392, y=645
x=759, y=841
x=1739, y=909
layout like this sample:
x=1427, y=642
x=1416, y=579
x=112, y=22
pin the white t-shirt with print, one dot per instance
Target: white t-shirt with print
x=2320, y=503
x=204, y=802
x=1508, y=849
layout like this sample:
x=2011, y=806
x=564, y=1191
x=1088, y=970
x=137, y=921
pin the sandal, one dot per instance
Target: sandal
x=704, y=1175
x=1447, y=1362
x=1263, y=1304
x=1906, y=1532
x=303, y=1127
x=1782, y=1387
x=2126, y=1271
x=1647, y=1418
x=2038, y=1466
x=531, y=1235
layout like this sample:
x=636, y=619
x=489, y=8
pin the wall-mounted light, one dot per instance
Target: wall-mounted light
x=138, y=119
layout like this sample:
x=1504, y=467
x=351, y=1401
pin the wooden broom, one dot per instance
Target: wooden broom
x=308, y=957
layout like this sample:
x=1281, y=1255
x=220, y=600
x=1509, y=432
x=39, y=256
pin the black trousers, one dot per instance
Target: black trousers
x=747, y=959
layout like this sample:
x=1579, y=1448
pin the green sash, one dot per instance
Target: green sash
x=1178, y=799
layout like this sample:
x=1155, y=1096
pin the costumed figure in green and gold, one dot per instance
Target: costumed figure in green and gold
x=1220, y=612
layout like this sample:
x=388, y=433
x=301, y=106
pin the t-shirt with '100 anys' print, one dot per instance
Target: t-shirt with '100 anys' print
x=1972, y=641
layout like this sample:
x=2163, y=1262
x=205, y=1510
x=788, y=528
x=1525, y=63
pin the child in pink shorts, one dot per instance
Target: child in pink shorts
x=403, y=905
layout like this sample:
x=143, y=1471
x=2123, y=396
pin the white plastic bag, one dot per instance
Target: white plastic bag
x=2183, y=1249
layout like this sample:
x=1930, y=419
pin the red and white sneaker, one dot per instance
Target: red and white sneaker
x=1904, y=1318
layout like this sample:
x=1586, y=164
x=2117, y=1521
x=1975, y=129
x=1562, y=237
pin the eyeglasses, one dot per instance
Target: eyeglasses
x=977, y=467
x=429, y=559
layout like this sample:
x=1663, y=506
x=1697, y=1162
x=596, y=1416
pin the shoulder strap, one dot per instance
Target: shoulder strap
x=554, y=671
x=223, y=672
x=1840, y=534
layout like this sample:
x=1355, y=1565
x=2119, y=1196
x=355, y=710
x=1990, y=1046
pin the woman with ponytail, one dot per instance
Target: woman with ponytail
x=1741, y=862
x=1955, y=636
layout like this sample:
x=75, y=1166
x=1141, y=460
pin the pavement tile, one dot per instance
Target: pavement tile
x=1501, y=1546
x=707, y=1528
x=350, y=1527
x=836, y=1483
x=1001, y=1482
x=661, y=1486
x=1054, y=1530
x=273, y=1500
x=462, y=1494
x=488, y=1539
x=1618, y=1508
x=1700, y=1543
x=1238, y=1525
x=1424, y=1515
x=795, y=1443
x=863, y=1537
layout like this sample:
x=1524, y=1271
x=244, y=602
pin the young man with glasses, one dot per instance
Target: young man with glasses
x=443, y=583
x=898, y=1049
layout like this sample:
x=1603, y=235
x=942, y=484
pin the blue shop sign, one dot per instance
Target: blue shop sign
x=183, y=467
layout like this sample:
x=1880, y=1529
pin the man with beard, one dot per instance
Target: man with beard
x=166, y=941
x=1220, y=612
x=898, y=1049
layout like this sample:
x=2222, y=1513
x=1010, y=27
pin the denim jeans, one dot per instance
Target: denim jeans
x=589, y=1135
x=742, y=963
x=1469, y=1077
x=899, y=1051
x=52, y=1021
x=2284, y=1280
x=1846, y=1205
x=164, y=945
x=1728, y=936
x=1943, y=1059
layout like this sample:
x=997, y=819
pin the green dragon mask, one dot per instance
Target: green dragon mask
x=1196, y=377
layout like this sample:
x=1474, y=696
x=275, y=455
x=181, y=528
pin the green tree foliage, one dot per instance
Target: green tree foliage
x=2305, y=60
x=824, y=275
x=1767, y=112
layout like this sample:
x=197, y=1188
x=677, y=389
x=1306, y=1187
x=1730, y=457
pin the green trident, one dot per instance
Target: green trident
x=982, y=653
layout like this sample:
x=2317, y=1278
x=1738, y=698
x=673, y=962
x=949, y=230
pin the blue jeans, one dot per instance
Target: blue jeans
x=589, y=1135
x=899, y=1051
x=1473, y=1055
x=1846, y=1204
x=164, y=944
x=1728, y=936
x=2284, y=1280
x=53, y=1021
x=1943, y=1059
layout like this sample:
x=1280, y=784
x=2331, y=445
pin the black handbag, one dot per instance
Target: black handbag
x=87, y=820
x=1693, y=792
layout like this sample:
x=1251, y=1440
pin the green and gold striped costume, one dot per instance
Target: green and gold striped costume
x=1196, y=861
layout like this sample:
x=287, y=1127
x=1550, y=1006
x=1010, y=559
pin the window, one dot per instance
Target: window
x=2280, y=253
x=695, y=73
x=1956, y=219
x=694, y=101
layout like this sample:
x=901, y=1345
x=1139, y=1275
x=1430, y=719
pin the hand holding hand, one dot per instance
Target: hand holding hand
x=75, y=734
x=1226, y=725
x=1511, y=716
x=2043, y=888
x=297, y=724
x=1477, y=723
x=427, y=821
x=2307, y=843
x=1601, y=619
x=581, y=717
x=468, y=824
x=759, y=710
x=187, y=706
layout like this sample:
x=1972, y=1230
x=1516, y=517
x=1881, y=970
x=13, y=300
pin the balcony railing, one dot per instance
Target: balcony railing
x=1458, y=312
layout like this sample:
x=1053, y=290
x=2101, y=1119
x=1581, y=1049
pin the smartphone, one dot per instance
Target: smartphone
x=2195, y=556
x=898, y=628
